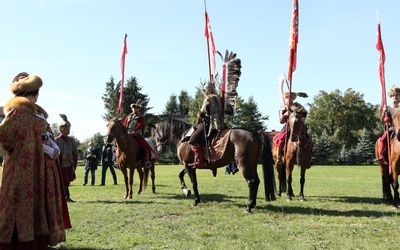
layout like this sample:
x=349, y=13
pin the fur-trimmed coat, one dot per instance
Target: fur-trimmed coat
x=31, y=192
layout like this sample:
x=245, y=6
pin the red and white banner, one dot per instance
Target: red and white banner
x=211, y=50
x=381, y=66
x=121, y=91
x=293, y=39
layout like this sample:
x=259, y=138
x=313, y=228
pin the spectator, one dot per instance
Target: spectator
x=107, y=161
x=33, y=212
x=91, y=160
x=68, y=155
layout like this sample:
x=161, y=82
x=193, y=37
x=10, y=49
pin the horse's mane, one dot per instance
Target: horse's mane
x=176, y=126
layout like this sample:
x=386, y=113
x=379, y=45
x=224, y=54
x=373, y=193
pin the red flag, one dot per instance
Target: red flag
x=121, y=91
x=381, y=66
x=211, y=50
x=293, y=39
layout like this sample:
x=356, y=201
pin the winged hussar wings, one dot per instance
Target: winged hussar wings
x=233, y=68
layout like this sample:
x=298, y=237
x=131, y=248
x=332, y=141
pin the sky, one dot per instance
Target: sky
x=76, y=46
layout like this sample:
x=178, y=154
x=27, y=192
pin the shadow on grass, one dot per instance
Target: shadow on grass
x=323, y=212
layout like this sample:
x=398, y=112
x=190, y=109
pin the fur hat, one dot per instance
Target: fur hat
x=394, y=91
x=65, y=122
x=24, y=83
x=293, y=95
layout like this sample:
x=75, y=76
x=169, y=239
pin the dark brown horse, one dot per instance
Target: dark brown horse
x=243, y=146
x=390, y=171
x=298, y=151
x=128, y=158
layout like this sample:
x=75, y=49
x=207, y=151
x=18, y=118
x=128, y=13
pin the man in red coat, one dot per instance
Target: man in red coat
x=135, y=124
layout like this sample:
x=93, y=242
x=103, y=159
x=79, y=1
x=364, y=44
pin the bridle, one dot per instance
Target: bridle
x=114, y=136
x=301, y=129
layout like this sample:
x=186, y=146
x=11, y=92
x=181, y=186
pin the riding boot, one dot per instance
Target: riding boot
x=199, y=157
x=381, y=149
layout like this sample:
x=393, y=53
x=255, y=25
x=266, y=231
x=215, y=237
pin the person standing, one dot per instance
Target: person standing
x=33, y=212
x=68, y=155
x=92, y=157
x=107, y=161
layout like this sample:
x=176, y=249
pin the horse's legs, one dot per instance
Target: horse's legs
x=153, y=177
x=302, y=181
x=184, y=188
x=141, y=177
x=289, y=170
x=253, y=181
x=280, y=169
x=124, y=172
x=386, y=185
x=193, y=178
x=130, y=181
x=395, y=185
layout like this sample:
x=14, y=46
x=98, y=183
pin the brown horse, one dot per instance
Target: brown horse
x=128, y=158
x=243, y=146
x=390, y=171
x=298, y=150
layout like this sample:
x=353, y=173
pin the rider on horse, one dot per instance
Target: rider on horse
x=394, y=93
x=288, y=106
x=135, y=124
x=213, y=121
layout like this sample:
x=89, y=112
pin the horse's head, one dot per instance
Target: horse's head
x=169, y=131
x=114, y=129
x=158, y=133
x=296, y=124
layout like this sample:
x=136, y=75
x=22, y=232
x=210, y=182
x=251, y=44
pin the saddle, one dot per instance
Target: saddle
x=217, y=145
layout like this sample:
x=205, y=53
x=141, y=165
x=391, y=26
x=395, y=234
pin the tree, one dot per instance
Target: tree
x=131, y=94
x=250, y=116
x=341, y=116
x=324, y=148
x=172, y=107
x=365, y=148
x=184, y=102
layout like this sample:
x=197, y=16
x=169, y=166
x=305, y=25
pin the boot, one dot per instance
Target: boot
x=199, y=157
x=279, y=161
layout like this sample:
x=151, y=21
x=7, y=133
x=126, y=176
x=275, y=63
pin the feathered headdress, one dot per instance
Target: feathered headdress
x=139, y=103
x=65, y=122
x=231, y=71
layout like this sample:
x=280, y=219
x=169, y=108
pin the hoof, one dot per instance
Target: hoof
x=187, y=193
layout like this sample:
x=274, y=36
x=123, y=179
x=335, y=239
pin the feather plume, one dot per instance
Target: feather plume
x=302, y=94
x=64, y=118
x=233, y=67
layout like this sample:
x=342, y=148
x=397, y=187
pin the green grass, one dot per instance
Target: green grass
x=343, y=210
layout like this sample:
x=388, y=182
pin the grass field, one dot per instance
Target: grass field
x=343, y=210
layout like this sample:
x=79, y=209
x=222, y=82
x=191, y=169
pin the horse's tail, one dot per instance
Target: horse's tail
x=146, y=174
x=268, y=169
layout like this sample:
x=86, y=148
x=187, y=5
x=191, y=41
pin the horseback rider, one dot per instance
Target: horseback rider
x=211, y=120
x=288, y=106
x=135, y=124
x=394, y=94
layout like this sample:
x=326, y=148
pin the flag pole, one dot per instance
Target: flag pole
x=121, y=91
x=381, y=71
x=208, y=42
x=293, y=40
